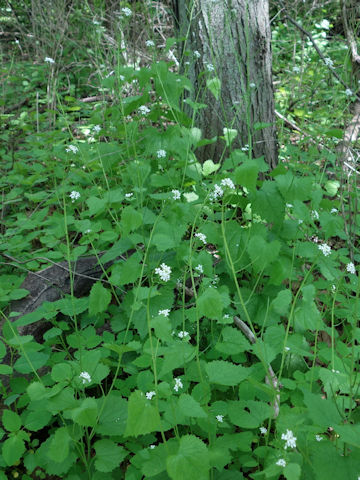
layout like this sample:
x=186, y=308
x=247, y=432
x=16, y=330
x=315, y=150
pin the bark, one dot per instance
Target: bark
x=233, y=36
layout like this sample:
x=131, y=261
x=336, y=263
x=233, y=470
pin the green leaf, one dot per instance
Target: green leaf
x=86, y=414
x=332, y=187
x=261, y=252
x=322, y=412
x=61, y=372
x=143, y=417
x=349, y=434
x=127, y=271
x=36, y=391
x=11, y=421
x=32, y=361
x=282, y=302
x=229, y=135
x=246, y=174
x=249, y=413
x=5, y=370
x=113, y=415
x=292, y=471
x=59, y=445
x=13, y=449
x=209, y=167
x=226, y=373
x=189, y=407
x=210, y=304
x=108, y=455
x=214, y=85
x=99, y=299
x=96, y=205
x=36, y=420
x=191, y=460
x=130, y=220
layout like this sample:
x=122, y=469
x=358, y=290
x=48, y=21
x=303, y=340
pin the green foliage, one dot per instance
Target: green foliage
x=151, y=372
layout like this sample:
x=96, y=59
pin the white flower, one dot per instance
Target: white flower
x=201, y=237
x=263, y=430
x=334, y=210
x=176, y=194
x=226, y=315
x=128, y=195
x=289, y=439
x=49, y=60
x=164, y=312
x=296, y=69
x=289, y=205
x=161, y=154
x=72, y=148
x=74, y=195
x=85, y=376
x=227, y=182
x=281, y=462
x=245, y=148
x=126, y=11
x=149, y=395
x=144, y=110
x=329, y=62
x=88, y=230
x=333, y=288
x=334, y=371
x=96, y=128
x=326, y=250
x=287, y=349
x=164, y=272
x=210, y=67
x=121, y=77
x=183, y=334
x=220, y=418
x=178, y=384
x=217, y=193
x=350, y=267
x=197, y=54
x=300, y=221
x=149, y=43
x=315, y=214
x=152, y=447
x=318, y=438
x=252, y=85
x=199, y=268
x=348, y=92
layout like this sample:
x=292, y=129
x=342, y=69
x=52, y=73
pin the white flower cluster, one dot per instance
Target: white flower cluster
x=72, y=148
x=126, y=11
x=176, y=194
x=201, y=237
x=326, y=250
x=164, y=312
x=183, y=334
x=199, y=268
x=85, y=376
x=329, y=62
x=263, y=430
x=49, y=60
x=318, y=438
x=220, y=418
x=149, y=395
x=161, y=154
x=164, y=272
x=348, y=92
x=210, y=67
x=149, y=43
x=290, y=440
x=350, y=267
x=144, y=110
x=178, y=384
x=128, y=195
x=227, y=182
x=281, y=462
x=218, y=192
x=74, y=195
x=315, y=215
x=197, y=54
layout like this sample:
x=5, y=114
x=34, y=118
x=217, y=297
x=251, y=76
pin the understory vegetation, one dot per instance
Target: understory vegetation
x=220, y=339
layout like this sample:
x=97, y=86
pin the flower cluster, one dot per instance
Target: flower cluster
x=85, y=376
x=350, y=267
x=176, y=194
x=161, y=154
x=164, y=272
x=201, y=237
x=183, y=334
x=74, y=195
x=164, y=312
x=199, y=268
x=49, y=60
x=72, y=148
x=149, y=43
x=290, y=440
x=281, y=462
x=263, y=430
x=149, y=395
x=326, y=250
x=178, y=384
x=144, y=110
x=126, y=11
x=227, y=182
x=218, y=192
x=220, y=418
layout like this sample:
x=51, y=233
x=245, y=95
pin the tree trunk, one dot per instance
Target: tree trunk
x=230, y=40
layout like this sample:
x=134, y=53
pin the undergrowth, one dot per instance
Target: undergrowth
x=221, y=340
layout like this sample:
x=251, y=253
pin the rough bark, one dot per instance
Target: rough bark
x=234, y=37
